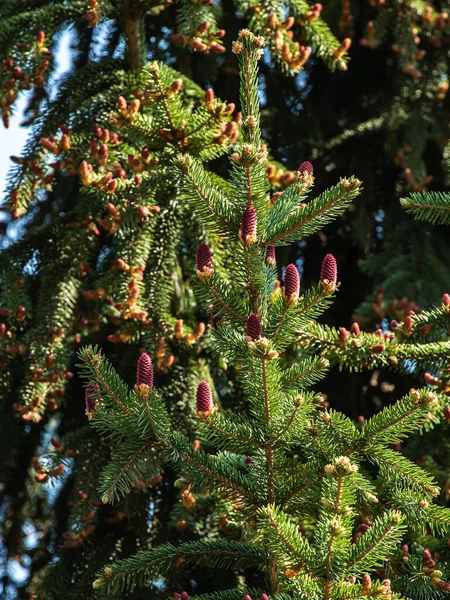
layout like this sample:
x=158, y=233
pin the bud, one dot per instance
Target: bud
x=64, y=143
x=91, y=397
x=447, y=413
x=249, y=460
x=342, y=337
x=21, y=312
x=328, y=272
x=144, y=375
x=253, y=328
x=270, y=256
x=355, y=329
x=175, y=86
x=378, y=348
x=446, y=300
x=204, y=400
x=291, y=283
x=203, y=263
x=408, y=325
x=264, y=597
x=306, y=168
x=366, y=584
x=209, y=99
x=102, y=153
x=430, y=379
x=248, y=226
x=49, y=145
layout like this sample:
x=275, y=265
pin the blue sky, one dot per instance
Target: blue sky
x=13, y=139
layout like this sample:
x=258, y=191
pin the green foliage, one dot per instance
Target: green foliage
x=318, y=502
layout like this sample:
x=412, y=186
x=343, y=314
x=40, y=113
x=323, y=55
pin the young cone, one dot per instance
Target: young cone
x=328, y=272
x=306, y=167
x=270, y=256
x=204, y=400
x=144, y=375
x=248, y=226
x=253, y=328
x=291, y=283
x=203, y=263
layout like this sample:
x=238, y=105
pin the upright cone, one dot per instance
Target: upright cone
x=248, y=226
x=253, y=328
x=291, y=283
x=204, y=400
x=144, y=375
x=203, y=262
x=328, y=272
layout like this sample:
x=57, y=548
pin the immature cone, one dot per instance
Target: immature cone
x=270, y=256
x=144, y=375
x=203, y=263
x=355, y=329
x=253, y=328
x=248, y=226
x=291, y=282
x=366, y=584
x=91, y=398
x=204, y=400
x=447, y=413
x=306, y=168
x=328, y=272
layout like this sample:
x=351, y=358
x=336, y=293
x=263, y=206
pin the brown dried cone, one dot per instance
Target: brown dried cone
x=253, y=329
x=291, y=287
x=248, y=226
x=204, y=401
x=328, y=273
x=203, y=263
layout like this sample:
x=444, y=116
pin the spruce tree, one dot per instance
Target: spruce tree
x=314, y=502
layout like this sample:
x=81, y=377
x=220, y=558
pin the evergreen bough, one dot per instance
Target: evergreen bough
x=320, y=503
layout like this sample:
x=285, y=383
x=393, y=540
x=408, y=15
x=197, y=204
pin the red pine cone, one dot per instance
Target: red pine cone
x=145, y=371
x=249, y=460
x=248, y=225
x=306, y=167
x=264, y=597
x=253, y=328
x=355, y=329
x=329, y=269
x=291, y=282
x=204, y=399
x=203, y=257
x=446, y=300
x=270, y=255
x=91, y=397
x=447, y=413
